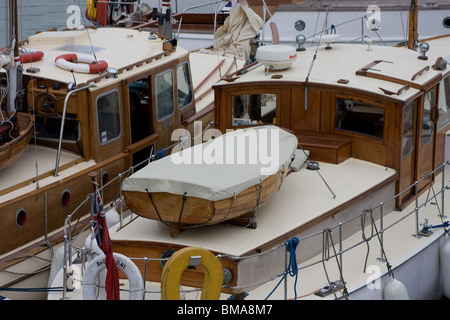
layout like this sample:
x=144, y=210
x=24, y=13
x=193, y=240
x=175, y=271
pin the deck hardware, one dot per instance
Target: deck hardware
x=399, y=91
x=312, y=165
x=300, y=39
x=423, y=48
x=328, y=289
x=112, y=73
x=194, y=261
x=426, y=227
x=420, y=72
x=440, y=64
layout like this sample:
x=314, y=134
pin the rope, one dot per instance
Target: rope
x=345, y=292
x=365, y=238
x=292, y=269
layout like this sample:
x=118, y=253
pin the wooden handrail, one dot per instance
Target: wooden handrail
x=142, y=144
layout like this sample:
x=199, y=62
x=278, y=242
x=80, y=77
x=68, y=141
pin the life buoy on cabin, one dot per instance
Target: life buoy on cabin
x=179, y=261
x=444, y=258
x=88, y=63
x=123, y=263
x=31, y=56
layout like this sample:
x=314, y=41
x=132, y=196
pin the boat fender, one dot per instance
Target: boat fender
x=88, y=63
x=112, y=217
x=179, y=261
x=444, y=257
x=395, y=290
x=123, y=263
x=57, y=264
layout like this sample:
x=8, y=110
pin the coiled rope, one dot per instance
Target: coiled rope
x=292, y=269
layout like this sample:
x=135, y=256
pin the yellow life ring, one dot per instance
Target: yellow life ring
x=91, y=9
x=179, y=261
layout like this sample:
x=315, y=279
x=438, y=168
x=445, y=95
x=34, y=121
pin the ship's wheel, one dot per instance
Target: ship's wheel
x=46, y=104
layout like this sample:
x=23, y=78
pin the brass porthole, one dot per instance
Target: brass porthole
x=21, y=218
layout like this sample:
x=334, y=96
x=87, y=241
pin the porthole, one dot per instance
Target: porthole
x=105, y=178
x=21, y=218
x=65, y=198
x=446, y=22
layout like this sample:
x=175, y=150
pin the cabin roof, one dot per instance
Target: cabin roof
x=118, y=47
x=398, y=66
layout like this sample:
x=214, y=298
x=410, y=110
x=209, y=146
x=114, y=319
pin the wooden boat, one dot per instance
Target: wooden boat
x=190, y=193
x=108, y=122
x=375, y=222
x=21, y=131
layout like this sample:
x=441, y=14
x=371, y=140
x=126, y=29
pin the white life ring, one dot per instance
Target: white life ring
x=88, y=63
x=123, y=263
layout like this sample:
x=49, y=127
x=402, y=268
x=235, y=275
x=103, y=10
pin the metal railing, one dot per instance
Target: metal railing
x=325, y=236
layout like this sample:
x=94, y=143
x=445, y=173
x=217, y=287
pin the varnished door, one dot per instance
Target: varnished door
x=426, y=137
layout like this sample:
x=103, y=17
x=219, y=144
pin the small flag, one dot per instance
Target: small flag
x=104, y=242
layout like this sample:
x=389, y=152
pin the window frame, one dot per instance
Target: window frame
x=183, y=64
x=355, y=134
x=99, y=134
x=167, y=116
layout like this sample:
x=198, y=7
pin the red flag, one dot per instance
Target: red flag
x=104, y=242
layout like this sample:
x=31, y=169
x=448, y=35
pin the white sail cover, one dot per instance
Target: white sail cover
x=220, y=168
x=233, y=38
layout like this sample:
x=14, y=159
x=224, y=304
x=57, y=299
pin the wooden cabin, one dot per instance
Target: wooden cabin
x=111, y=121
x=385, y=105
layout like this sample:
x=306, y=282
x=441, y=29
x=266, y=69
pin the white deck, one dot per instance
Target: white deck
x=302, y=197
x=24, y=169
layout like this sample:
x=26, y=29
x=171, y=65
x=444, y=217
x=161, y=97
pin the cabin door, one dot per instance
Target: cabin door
x=140, y=116
x=426, y=137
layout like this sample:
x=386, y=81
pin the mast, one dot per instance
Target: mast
x=412, y=28
x=14, y=73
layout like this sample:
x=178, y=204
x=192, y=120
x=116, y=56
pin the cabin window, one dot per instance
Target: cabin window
x=108, y=114
x=408, y=130
x=427, y=117
x=444, y=103
x=184, y=88
x=254, y=109
x=164, y=95
x=49, y=129
x=359, y=117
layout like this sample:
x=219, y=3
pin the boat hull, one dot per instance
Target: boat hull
x=184, y=211
x=11, y=151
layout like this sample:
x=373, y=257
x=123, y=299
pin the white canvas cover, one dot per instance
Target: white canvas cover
x=233, y=38
x=220, y=168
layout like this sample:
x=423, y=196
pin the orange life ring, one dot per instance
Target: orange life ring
x=88, y=63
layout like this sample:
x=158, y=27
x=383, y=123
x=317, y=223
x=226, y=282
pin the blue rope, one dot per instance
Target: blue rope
x=292, y=269
x=160, y=154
